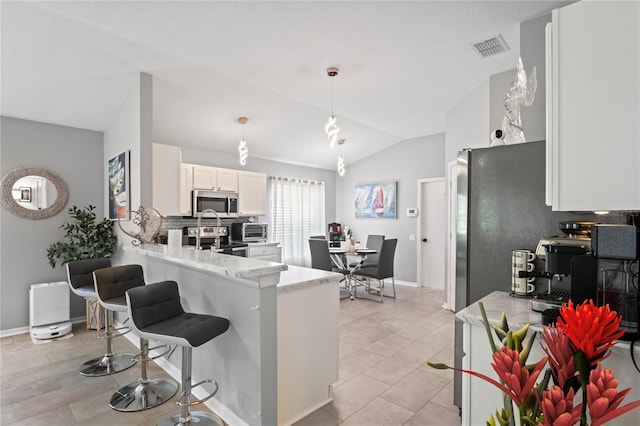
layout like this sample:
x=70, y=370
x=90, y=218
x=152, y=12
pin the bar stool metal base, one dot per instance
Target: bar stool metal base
x=199, y=418
x=107, y=364
x=141, y=395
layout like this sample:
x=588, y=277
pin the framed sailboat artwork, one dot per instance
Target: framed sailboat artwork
x=376, y=200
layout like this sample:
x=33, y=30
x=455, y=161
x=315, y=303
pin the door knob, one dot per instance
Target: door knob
x=424, y=240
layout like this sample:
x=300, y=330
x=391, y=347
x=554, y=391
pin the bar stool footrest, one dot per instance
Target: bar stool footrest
x=115, y=333
x=140, y=358
x=198, y=401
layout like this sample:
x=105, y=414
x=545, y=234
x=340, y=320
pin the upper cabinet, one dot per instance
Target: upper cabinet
x=593, y=105
x=252, y=193
x=215, y=179
x=166, y=179
x=228, y=180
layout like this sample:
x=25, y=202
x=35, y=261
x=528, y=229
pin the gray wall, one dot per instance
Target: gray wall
x=468, y=123
x=532, y=52
x=75, y=155
x=405, y=162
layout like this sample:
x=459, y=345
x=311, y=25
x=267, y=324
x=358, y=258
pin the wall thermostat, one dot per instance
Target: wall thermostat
x=412, y=212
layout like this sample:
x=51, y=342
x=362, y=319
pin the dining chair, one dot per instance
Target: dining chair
x=321, y=259
x=382, y=271
x=374, y=242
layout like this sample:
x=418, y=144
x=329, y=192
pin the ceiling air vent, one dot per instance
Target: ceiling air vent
x=490, y=47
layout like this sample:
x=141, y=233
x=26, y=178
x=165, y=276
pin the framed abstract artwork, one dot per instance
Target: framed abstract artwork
x=118, y=186
x=376, y=200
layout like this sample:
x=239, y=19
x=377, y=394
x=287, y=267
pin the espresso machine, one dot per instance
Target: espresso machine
x=335, y=234
x=558, y=253
x=606, y=271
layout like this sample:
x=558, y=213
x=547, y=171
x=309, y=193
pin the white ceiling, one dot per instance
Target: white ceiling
x=403, y=65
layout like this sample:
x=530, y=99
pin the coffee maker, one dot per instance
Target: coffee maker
x=558, y=253
x=335, y=234
x=610, y=276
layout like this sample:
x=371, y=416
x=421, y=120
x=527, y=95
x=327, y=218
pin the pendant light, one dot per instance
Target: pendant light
x=331, y=128
x=341, y=159
x=242, y=147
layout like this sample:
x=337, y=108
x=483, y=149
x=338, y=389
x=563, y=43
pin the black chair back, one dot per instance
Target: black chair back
x=112, y=283
x=317, y=237
x=154, y=303
x=386, y=259
x=320, y=256
x=80, y=273
x=374, y=242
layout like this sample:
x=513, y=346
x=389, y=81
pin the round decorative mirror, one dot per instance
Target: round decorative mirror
x=33, y=192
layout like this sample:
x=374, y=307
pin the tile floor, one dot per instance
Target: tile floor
x=383, y=377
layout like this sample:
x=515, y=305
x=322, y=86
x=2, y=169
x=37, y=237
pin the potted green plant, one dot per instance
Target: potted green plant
x=84, y=239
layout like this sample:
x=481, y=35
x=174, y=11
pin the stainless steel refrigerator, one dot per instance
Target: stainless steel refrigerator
x=500, y=207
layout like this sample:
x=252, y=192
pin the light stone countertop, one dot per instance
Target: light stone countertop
x=518, y=311
x=291, y=277
x=206, y=260
x=297, y=277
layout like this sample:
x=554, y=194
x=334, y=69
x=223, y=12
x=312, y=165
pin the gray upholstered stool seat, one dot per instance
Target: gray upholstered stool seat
x=80, y=274
x=111, y=285
x=157, y=314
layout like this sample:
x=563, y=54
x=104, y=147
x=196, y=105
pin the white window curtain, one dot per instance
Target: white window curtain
x=297, y=212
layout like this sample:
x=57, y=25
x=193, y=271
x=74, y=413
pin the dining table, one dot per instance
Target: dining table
x=337, y=256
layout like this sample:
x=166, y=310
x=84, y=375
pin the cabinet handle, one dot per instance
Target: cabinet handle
x=255, y=308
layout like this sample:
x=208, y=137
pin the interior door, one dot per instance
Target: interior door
x=433, y=226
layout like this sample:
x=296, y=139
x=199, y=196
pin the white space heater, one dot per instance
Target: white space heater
x=49, y=310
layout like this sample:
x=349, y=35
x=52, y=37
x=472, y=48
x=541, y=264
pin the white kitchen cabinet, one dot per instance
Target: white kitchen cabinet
x=265, y=251
x=593, y=105
x=205, y=177
x=215, y=179
x=252, y=193
x=166, y=179
x=227, y=180
x=186, y=188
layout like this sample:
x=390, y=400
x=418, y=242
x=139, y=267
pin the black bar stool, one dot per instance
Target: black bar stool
x=80, y=274
x=111, y=285
x=157, y=314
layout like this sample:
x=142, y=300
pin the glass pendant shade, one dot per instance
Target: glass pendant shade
x=243, y=151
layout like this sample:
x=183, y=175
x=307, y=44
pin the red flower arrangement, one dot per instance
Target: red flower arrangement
x=574, y=348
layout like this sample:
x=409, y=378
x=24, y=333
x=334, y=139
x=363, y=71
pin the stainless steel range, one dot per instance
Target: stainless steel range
x=208, y=236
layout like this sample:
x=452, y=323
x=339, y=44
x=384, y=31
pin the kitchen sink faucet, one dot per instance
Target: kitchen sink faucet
x=199, y=223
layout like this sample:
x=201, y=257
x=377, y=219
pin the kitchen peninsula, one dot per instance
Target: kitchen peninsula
x=481, y=399
x=279, y=358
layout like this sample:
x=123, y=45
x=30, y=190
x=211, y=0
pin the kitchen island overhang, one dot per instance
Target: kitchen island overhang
x=267, y=366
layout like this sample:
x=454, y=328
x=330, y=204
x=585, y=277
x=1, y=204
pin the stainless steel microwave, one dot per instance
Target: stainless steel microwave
x=225, y=204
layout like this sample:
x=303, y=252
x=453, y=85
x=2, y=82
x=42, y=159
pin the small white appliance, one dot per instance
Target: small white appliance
x=49, y=310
